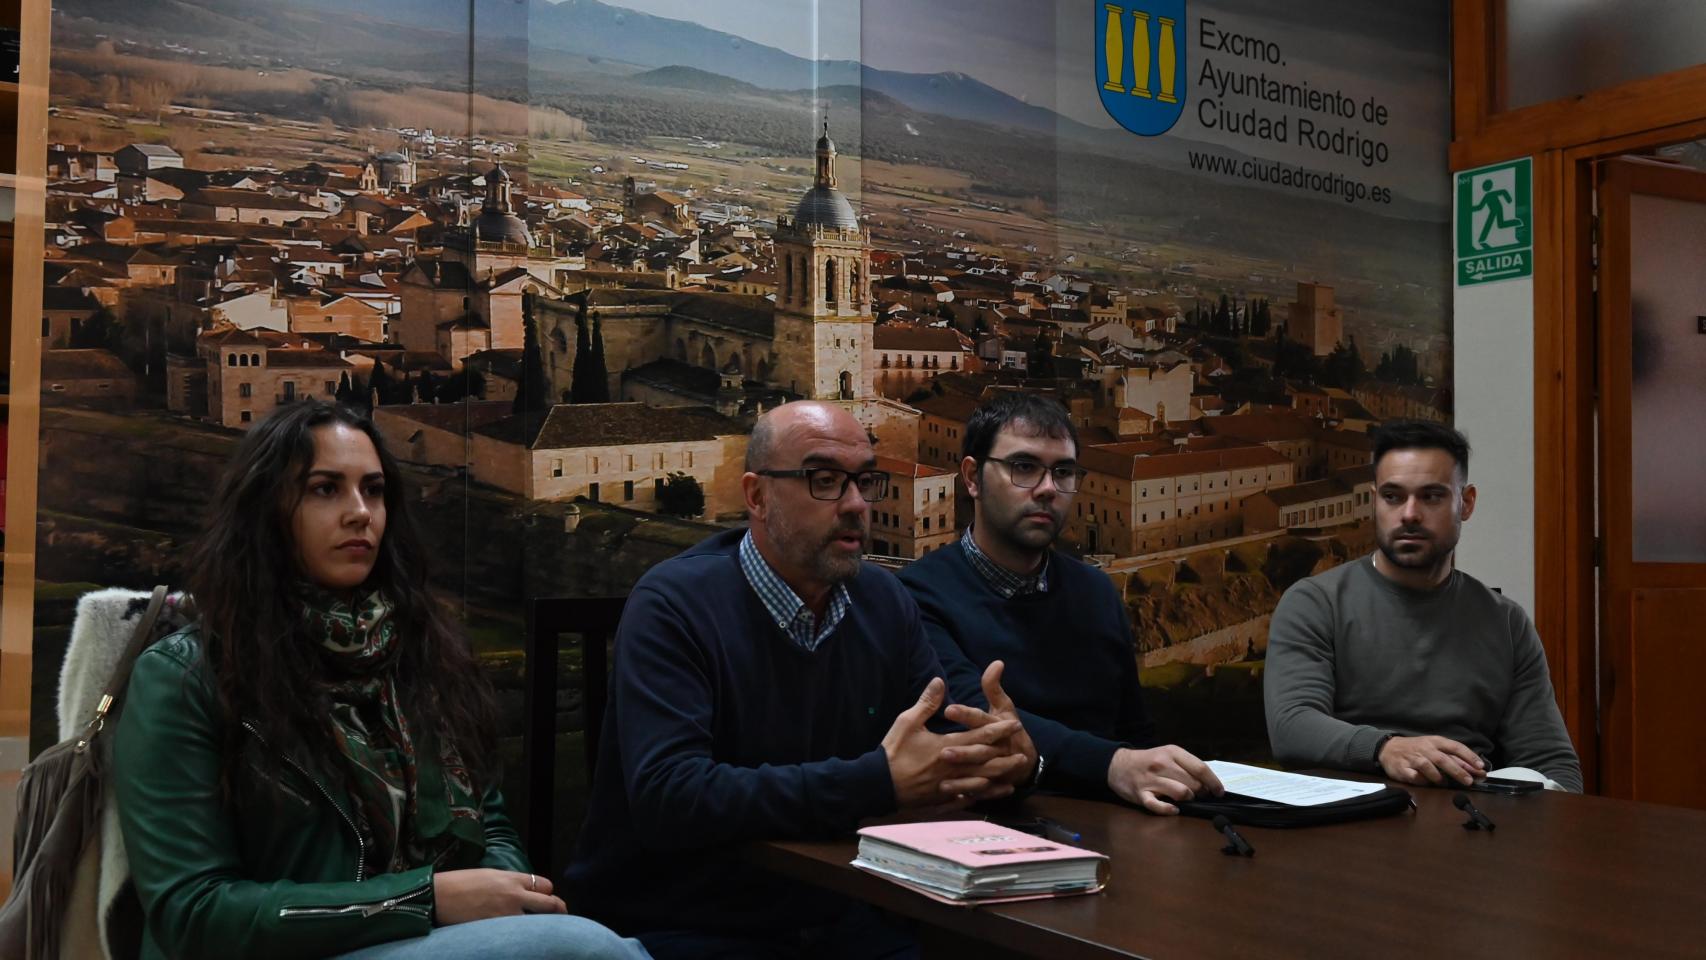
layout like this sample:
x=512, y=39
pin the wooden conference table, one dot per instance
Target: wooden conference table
x=1562, y=876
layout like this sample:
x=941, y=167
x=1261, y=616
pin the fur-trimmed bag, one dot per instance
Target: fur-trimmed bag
x=70, y=874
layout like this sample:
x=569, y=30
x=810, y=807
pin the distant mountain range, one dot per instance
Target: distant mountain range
x=545, y=45
x=582, y=28
x=692, y=78
x=590, y=28
x=301, y=34
x=603, y=31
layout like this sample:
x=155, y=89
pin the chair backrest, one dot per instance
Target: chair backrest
x=594, y=619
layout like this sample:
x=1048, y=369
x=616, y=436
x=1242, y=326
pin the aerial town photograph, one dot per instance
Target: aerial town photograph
x=566, y=260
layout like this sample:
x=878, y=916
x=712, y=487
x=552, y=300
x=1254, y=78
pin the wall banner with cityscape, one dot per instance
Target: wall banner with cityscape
x=566, y=252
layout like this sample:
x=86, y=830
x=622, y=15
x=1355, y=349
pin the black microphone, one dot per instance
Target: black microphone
x=1236, y=846
x=1477, y=820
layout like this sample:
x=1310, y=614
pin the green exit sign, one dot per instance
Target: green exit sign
x=1495, y=223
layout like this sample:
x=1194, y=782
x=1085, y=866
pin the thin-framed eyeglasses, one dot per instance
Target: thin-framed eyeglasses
x=830, y=483
x=1028, y=473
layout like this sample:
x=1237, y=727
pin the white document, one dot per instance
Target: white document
x=1281, y=787
x=1524, y=773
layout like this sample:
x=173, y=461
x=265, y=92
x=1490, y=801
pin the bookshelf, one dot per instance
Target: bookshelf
x=24, y=28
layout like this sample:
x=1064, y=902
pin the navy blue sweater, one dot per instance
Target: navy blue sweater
x=1071, y=665
x=723, y=731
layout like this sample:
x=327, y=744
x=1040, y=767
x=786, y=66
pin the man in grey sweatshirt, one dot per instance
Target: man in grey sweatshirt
x=1398, y=663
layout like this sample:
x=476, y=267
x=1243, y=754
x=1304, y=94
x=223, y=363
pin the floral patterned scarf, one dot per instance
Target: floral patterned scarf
x=360, y=646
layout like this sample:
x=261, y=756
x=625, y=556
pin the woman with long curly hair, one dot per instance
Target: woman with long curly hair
x=308, y=770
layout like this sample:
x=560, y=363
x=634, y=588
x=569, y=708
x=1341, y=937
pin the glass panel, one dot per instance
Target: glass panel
x=1282, y=250
x=1667, y=296
x=1564, y=48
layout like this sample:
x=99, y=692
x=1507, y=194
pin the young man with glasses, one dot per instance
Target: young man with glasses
x=1002, y=593
x=769, y=685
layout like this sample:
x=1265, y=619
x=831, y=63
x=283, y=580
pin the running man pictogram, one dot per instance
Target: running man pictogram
x=1494, y=201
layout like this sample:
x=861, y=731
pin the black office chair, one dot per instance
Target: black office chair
x=594, y=619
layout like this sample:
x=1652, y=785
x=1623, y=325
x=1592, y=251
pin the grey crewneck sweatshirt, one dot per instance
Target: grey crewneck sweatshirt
x=1353, y=656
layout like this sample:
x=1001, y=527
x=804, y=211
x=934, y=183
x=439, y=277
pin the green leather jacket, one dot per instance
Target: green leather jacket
x=279, y=872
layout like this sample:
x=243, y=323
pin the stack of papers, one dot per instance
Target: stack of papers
x=966, y=861
x=1277, y=786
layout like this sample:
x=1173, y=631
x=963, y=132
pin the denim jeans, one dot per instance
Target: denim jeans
x=538, y=936
x=863, y=933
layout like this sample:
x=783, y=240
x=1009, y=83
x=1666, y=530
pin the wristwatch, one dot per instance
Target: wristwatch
x=1379, y=745
x=1037, y=774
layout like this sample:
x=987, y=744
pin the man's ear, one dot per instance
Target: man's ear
x=968, y=476
x=1468, y=503
x=753, y=494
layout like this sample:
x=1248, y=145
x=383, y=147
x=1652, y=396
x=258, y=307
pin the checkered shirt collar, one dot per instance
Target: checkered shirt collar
x=791, y=614
x=1006, y=582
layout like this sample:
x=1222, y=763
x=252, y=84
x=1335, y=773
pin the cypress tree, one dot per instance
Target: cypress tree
x=599, y=387
x=378, y=384
x=426, y=388
x=578, y=389
x=532, y=396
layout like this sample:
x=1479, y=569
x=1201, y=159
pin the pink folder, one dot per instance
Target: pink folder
x=983, y=846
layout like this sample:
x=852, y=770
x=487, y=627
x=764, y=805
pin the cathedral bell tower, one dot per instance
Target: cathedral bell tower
x=496, y=240
x=824, y=348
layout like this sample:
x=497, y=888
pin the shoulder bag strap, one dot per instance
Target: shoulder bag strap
x=139, y=641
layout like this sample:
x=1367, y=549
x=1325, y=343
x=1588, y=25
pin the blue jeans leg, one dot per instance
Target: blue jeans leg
x=862, y=933
x=537, y=936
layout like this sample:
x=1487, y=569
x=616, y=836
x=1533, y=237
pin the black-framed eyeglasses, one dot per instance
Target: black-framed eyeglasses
x=830, y=483
x=1029, y=473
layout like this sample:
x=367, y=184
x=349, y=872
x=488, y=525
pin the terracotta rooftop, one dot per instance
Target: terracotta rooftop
x=68, y=298
x=233, y=336
x=456, y=417
x=938, y=339
x=948, y=406
x=83, y=365
x=1307, y=492
x=1264, y=427
x=247, y=199
x=1134, y=465
x=676, y=377
x=305, y=359
x=566, y=426
x=907, y=468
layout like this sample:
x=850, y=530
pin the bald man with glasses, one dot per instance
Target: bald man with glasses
x=770, y=685
x=1003, y=594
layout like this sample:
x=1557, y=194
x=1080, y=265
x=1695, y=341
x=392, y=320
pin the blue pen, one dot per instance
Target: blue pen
x=1059, y=832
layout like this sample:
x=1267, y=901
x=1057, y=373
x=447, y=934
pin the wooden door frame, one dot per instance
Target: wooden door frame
x=1484, y=132
x=1620, y=581
x=1565, y=138
x=17, y=595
